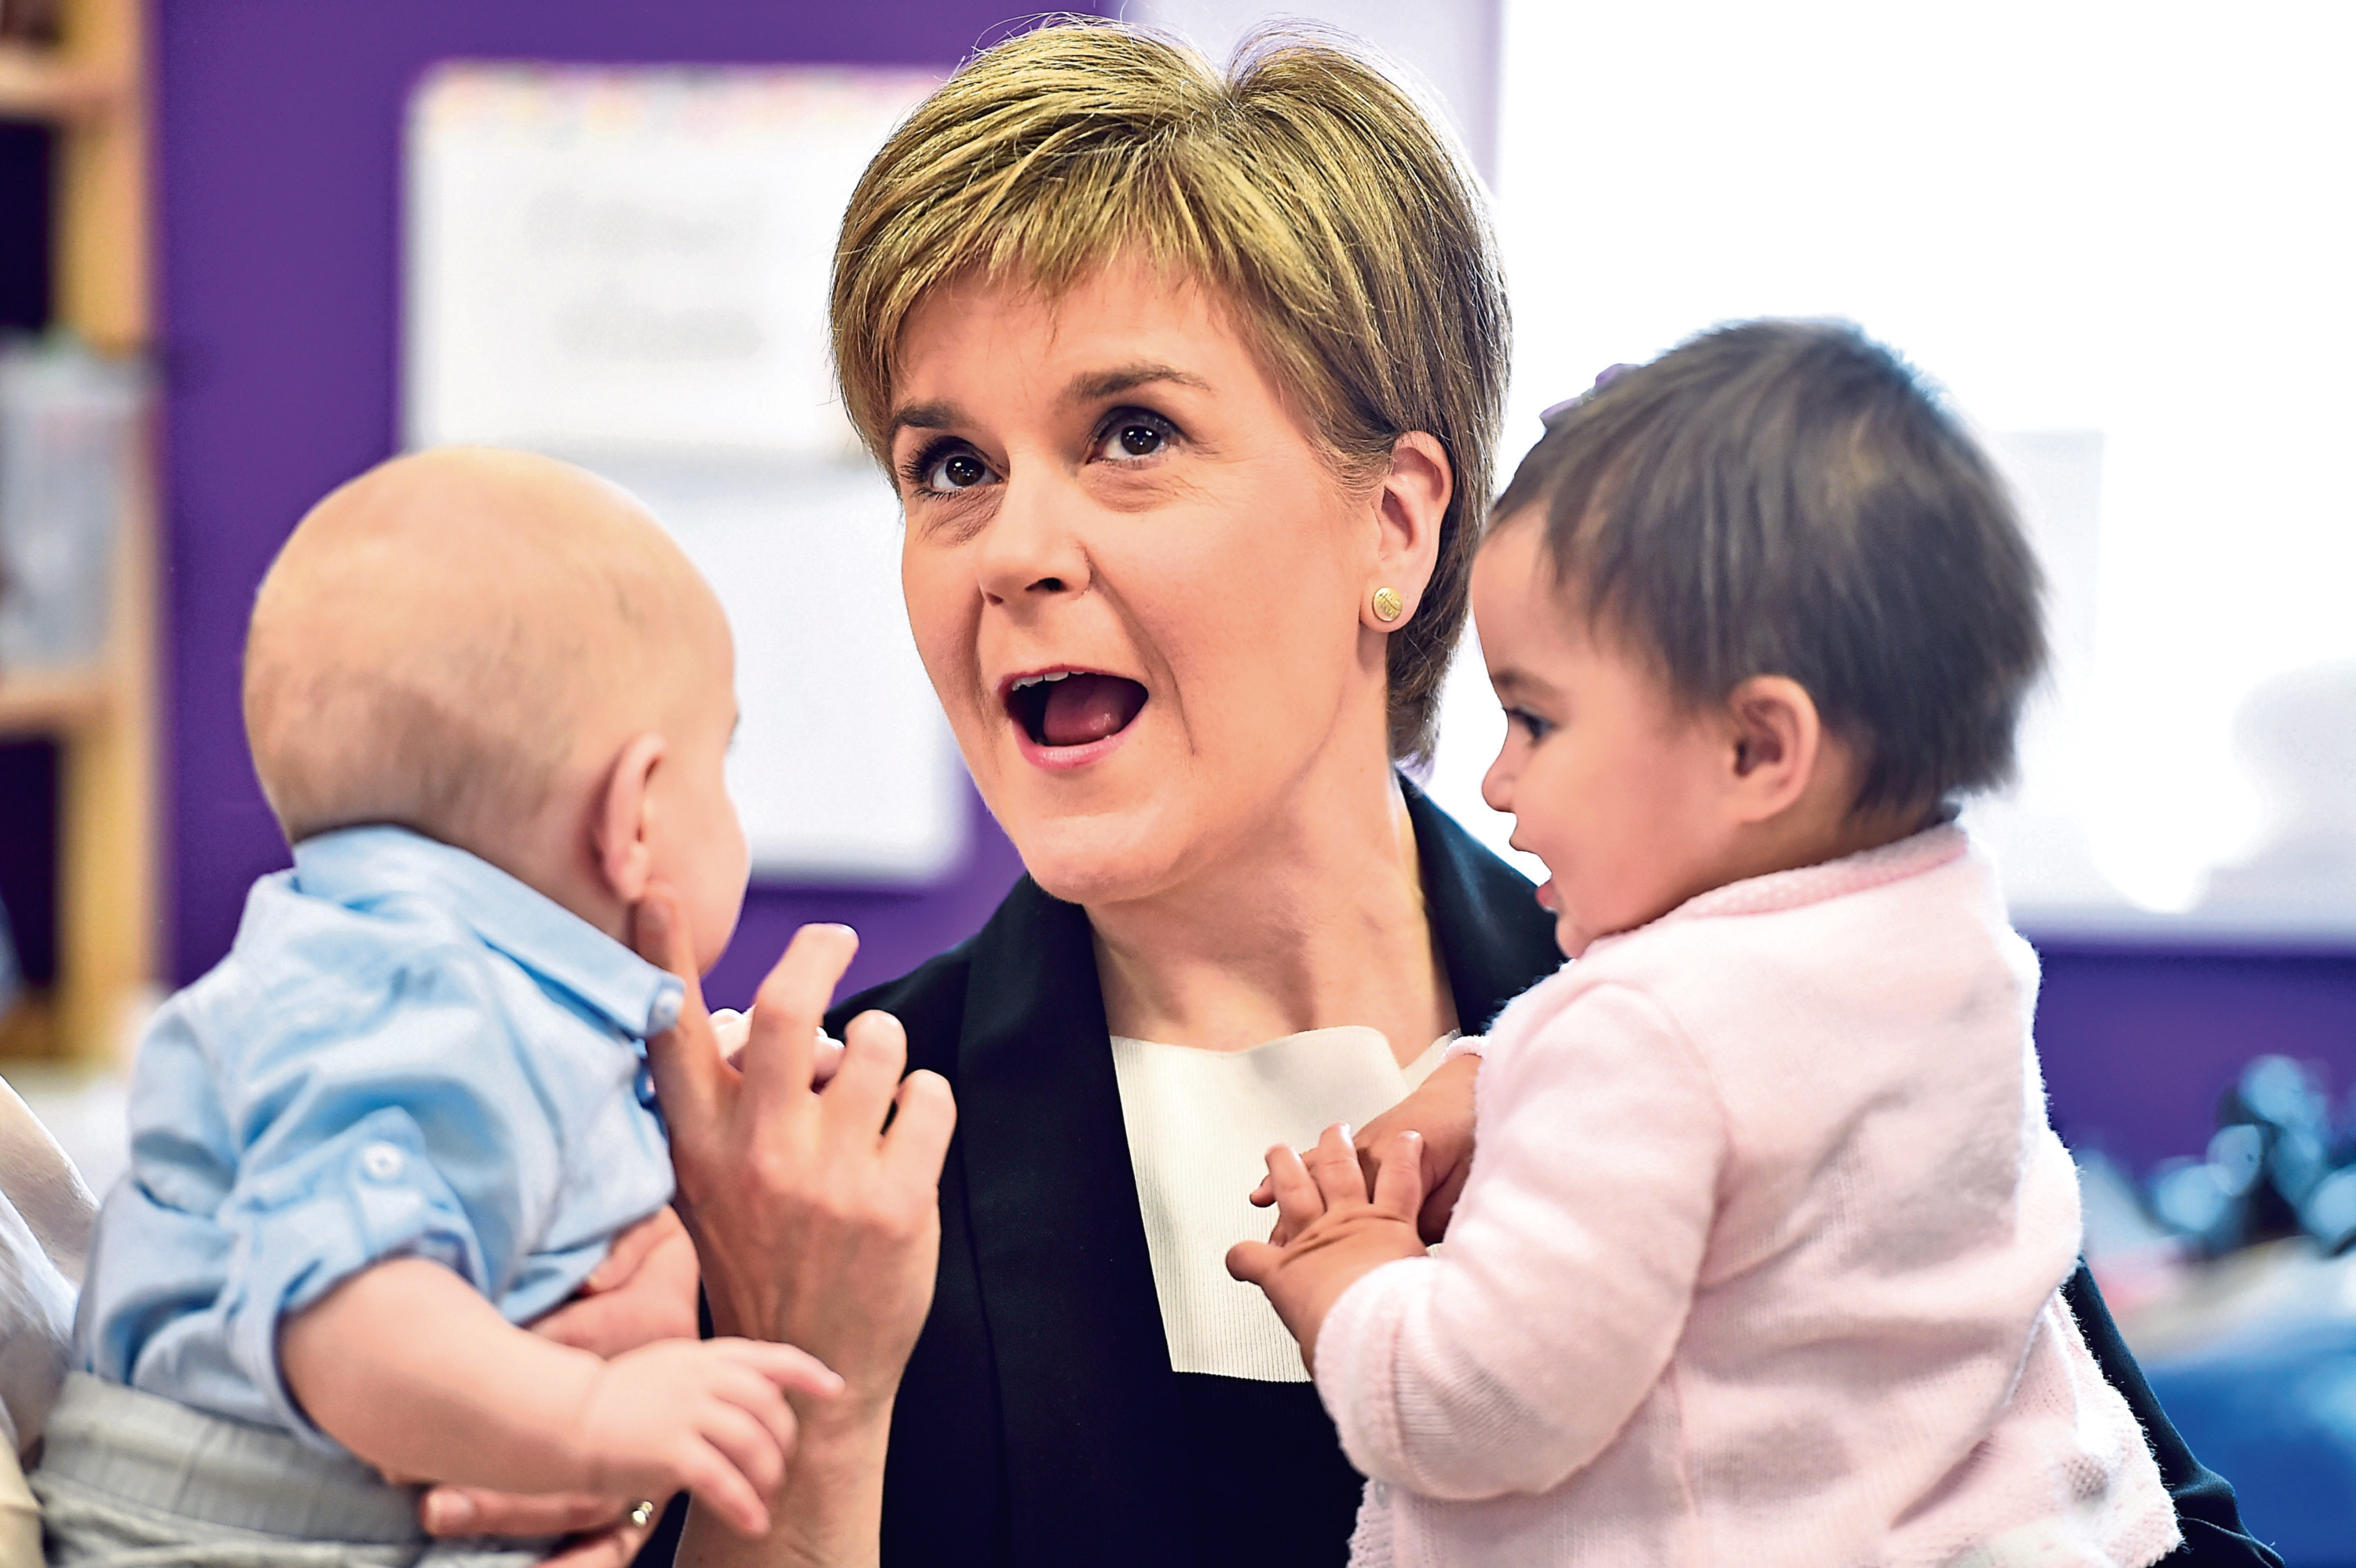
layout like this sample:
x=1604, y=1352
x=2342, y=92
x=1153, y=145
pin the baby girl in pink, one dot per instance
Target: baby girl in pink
x=1759, y=1259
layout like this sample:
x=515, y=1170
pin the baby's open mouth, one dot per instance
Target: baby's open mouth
x=1073, y=707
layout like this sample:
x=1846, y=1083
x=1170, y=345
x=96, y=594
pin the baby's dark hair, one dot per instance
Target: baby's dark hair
x=1786, y=497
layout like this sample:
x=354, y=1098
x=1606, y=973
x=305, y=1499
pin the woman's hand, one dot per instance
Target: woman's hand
x=1440, y=1112
x=1334, y=1234
x=604, y=1535
x=816, y=1226
x=644, y=1291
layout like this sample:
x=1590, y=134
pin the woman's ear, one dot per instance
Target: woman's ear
x=623, y=832
x=1777, y=743
x=1408, y=509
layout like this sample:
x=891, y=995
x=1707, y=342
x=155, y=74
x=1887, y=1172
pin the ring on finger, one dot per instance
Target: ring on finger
x=641, y=1513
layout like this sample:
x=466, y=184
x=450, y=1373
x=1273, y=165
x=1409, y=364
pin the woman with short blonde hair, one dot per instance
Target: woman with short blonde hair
x=1188, y=383
x=1305, y=189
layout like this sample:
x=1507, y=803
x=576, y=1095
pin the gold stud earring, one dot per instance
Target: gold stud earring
x=1388, y=605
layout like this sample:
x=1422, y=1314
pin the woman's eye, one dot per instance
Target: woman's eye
x=1131, y=435
x=959, y=470
x=1535, y=727
x=948, y=470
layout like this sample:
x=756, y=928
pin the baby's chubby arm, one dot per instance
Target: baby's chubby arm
x=1510, y=1361
x=1329, y=1231
x=405, y=1364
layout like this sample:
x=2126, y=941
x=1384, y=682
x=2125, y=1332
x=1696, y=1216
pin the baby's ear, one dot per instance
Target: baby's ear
x=1778, y=739
x=622, y=824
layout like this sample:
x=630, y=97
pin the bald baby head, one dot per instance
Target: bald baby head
x=458, y=637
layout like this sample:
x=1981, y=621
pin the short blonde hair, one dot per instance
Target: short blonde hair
x=1305, y=187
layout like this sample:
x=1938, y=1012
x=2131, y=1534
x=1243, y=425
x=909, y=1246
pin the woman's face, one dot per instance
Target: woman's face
x=1136, y=586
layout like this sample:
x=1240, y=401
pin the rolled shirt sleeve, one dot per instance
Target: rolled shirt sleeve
x=406, y=1053
x=421, y=1137
x=1510, y=1358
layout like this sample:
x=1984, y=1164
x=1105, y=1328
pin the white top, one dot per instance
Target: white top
x=1200, y=1126
x=1759, y=1262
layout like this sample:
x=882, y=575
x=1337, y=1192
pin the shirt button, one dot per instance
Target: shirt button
x=382, y=1161
x=664, y=1013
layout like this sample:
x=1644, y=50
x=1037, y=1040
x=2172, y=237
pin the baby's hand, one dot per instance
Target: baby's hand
x=710, y=1417
x=1440, y=1112
x=733, y=1029
x=1334, y=1234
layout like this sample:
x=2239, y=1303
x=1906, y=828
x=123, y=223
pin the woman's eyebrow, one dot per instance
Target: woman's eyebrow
x=1094, y=386
x=935, y=415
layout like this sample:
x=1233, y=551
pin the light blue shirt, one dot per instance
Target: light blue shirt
x=407, y=1053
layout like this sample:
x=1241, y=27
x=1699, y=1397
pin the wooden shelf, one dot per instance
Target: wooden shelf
x=45, y=85
x=39, y=703
x=28, y=1030
x=103, y=716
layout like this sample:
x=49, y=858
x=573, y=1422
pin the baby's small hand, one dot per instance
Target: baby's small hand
x=710, y=1417
x=733, y=1029
x=1331, y=1233
x=1440, y=1112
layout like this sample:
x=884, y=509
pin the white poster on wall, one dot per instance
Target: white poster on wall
x=627, y=267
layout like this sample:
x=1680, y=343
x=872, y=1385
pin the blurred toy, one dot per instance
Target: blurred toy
x=2273, y=1169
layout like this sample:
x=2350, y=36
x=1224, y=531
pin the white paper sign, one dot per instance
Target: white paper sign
x=627, y=267
x=633, y=257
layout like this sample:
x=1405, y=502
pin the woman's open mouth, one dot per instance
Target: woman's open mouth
x=1067, y=712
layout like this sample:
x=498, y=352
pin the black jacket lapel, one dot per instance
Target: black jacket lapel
x=1094, y=1467
x=1494, y=939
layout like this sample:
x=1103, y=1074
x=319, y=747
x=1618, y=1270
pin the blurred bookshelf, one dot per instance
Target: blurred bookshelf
x=37, y=83
x=77, y=76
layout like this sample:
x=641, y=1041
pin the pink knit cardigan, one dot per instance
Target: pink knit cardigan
x=1759, y=1262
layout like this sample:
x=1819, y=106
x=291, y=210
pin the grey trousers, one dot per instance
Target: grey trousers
x=130, y=1481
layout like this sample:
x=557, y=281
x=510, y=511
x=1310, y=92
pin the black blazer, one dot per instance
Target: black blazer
x=1039, y=1421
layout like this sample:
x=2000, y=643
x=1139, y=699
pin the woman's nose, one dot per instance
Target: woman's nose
x=1031, y=548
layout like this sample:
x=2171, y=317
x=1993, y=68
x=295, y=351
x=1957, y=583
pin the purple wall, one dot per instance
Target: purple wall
x=279, y=130
x=2137, y=1043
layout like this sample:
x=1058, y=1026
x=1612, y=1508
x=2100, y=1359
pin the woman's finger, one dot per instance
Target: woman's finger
x=874, y=1055
x=631, y=1249
x=826, y=1058
x=1398, y=1185
x=918, y=1140
x=470, y=1511
x=657, y=1301
x=1264, y=1194
x=614, y=1548
x=684, y=1059
x=787, y=1012
x=1333, y=1165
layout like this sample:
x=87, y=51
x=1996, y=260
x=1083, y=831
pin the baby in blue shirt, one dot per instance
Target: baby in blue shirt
x=489, y=701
